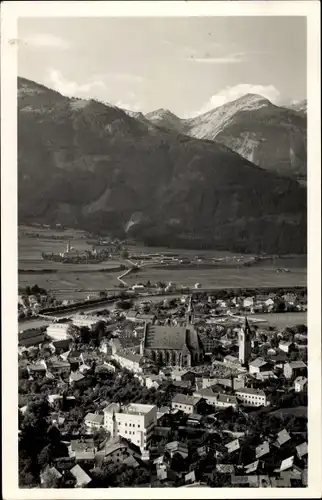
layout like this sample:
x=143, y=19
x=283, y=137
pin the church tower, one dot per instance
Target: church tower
x=245, y=348
x=114, y=430
x=190, y=314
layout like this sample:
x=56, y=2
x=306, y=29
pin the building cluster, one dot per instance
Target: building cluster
x=215, y=386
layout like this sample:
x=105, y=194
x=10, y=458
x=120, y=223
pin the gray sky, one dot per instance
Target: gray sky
x=187, y=65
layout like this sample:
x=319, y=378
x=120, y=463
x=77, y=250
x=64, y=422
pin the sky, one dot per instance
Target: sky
x=187, y=65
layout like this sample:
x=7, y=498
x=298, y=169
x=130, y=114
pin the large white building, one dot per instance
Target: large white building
x=252, y=397
x=135, y=422
x=84, y=320
x=58, y=331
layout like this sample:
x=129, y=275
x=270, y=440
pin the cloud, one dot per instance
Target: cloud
x=235, y=58
x=45, y=41
x=97, y=87
x=73, y=89
x=129, y=106
x=231, y=93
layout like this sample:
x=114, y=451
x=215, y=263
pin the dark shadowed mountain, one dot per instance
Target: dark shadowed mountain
x=90, y=165
x=164, y=118
x=270, y=136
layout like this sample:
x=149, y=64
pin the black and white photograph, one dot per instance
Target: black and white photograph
x=165, y=333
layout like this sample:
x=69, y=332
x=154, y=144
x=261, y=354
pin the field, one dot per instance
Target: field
x=70, y=280
x=260, y=275
x=282, y=320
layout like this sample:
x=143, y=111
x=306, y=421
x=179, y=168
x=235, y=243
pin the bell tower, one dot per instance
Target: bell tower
x=190, y=313
x=245, y=343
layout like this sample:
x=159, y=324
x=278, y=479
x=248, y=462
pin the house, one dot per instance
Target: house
x=105, y=347
x=152, y=381
x=233, y=446
x=135, y=422
x=183, y=375
x=145, y=318
x=129, y=361
x=75, y=378
x=58, y=331
x=194, y=419
x=57, y=420
x=163, y=410
x=225, y=468
x=258, y=365
x=58, y=366
x=177, y=447
x=30, y=337
x=248, y=302
x=262, y=449
x=82, y=450
x=252, y=397
x=82, y=479
x=295, y=369
x=212, y=397
x=50, y=473
x=94, y=421
x=39, y=368
x=282, y=438
x=59, y=346
x=300, y=384
x=251, y=468
x=286, y=346
x=118, y=449
x=85, y=320
x=286, y=464
x=231, y=360
x=302, y=450
x=187, y=404
x=269, y=303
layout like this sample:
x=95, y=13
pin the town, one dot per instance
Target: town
x=183, y=390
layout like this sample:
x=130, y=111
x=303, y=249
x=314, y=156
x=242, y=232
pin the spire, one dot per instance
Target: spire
x=246, y=324
x=190, y=311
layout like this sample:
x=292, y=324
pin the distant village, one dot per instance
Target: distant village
x=189, y=391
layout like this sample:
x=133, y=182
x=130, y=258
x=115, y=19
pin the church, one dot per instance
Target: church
x=173, y=345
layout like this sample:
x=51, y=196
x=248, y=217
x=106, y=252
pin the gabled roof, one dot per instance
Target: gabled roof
x=76, y=377
x=258, y=362
x=301, y=449
x=94, y=417
x=286, y=464
x=233, y=446
x=250, y=468
x=282, y=437
x=185, y=400
x=82, y=479
x=262, y=449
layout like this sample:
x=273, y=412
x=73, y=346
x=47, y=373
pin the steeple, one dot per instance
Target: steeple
x=245, y=343
x=114, y=432
x=190, y=314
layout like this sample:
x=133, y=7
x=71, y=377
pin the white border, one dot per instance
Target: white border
x=10, y=11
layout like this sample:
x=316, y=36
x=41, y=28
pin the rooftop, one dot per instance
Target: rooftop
x=185, y=400
x=94, y=417
x=258, y=362
x=250, y=390
x=80, y=475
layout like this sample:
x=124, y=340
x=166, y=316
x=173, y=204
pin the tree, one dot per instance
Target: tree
x=124, y=254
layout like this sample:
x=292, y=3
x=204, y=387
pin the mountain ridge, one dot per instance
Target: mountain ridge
x=90, y=165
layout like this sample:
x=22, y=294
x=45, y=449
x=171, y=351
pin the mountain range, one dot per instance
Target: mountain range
x=92, y=165
x=270, y=136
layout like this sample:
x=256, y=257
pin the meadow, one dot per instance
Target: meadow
x=77, y=280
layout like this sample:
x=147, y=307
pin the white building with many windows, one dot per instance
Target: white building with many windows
x=58, y=331
x=252, y=397
x=135, y=422
x=85, y=320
